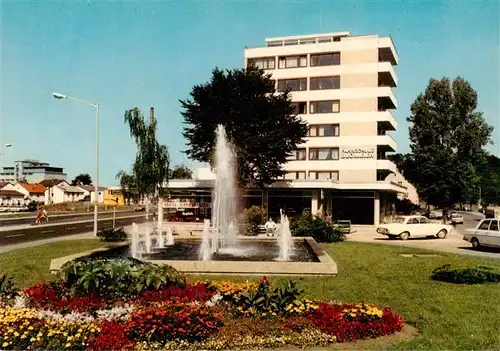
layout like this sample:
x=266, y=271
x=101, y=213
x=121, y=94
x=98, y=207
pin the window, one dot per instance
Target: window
x=324, y=130
x=423, y=220
x=300, y=107
x=484, y=226
x=494, y=226
x=331, y=153
x=295, y=175
x=324, y=175
x=330, y=106
x=298, y=155
x=292, y=84
x=292, y=61
x=323, y=83
x=413, y=221
x=327, y=59
x=262, y=62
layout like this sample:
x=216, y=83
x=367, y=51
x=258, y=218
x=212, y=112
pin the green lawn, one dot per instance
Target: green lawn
x=31, y=264
x=448, y=316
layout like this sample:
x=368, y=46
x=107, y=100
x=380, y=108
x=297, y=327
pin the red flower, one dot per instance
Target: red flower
x=112, y=336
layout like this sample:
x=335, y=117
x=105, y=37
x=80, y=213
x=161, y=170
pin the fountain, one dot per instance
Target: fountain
x=205, y=249
x=223, y=233
x=170, y=237
x=285, y=240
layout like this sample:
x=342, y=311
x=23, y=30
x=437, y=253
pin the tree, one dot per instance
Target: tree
x=489, y=173
x=128, y=186
x=150, y=168
x=262, y=125
x=181, y=172
x=447, y=143
x=82, y=179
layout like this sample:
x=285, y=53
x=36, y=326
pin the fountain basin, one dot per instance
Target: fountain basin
x=254, y=257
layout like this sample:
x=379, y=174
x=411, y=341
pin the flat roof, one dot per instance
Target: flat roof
x=310, y=36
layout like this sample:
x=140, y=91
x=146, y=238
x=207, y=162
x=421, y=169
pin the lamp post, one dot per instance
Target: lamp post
x=96, y=106
x=4, y=146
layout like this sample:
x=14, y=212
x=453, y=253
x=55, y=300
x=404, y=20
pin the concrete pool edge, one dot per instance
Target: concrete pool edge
x=325, y=267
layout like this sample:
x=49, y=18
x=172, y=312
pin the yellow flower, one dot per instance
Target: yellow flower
x=5, y=344
x=68, y=344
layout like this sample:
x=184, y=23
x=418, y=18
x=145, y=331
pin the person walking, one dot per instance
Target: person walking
x=270, y=227
x=45, y=216
x=38, y=215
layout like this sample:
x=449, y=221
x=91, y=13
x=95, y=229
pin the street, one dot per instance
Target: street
x=62, y=217
x=27, y=233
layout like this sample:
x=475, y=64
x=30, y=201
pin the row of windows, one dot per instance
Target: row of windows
x=325, y=106
x=319, y=130
x=295, y=61
x=315, y=154
x=315, y=83
x=317, y=175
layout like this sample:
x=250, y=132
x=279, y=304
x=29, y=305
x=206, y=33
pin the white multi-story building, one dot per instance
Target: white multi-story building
x=342, y=86
x=33, y=171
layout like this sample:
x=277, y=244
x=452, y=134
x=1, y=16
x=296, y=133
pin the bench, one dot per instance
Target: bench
x=344, y=226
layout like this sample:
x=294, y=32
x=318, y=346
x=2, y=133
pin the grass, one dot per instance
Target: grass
x=448, y=316
x=31, y=264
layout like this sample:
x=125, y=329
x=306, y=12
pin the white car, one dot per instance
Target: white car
x=457, y=218
x=405, y=227
x=486, y=233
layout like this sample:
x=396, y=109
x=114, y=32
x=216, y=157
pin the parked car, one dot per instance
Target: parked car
x=486, y=233
x=405, y=227
x=457, y=218
x=436, y=214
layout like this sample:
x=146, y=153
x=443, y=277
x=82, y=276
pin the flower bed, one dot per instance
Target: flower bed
x=173, y=314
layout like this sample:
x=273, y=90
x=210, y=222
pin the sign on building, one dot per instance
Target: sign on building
x=178, y=204
x=357, y=153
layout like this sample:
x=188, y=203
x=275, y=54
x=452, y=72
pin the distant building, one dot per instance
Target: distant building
x=63, y=192
x=11, y=198
x=33, y=171
x=113, y=196
x=410, y=193
x=32, y=192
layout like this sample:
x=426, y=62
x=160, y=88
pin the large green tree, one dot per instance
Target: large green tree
x=447, y=137
x=489, y=172
x=82, y=179
x=261, y=123
x=181, y=172
x=150, y=169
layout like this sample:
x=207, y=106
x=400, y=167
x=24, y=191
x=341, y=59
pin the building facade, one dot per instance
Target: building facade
x=33, y=171
x=343, y=87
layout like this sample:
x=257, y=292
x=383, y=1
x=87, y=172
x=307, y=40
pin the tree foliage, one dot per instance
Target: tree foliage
x=82, y=179
x=151, y=165
x=128, y=186
x=260, y=123
x=447, y=137
x=489, y=172
x=181, y=172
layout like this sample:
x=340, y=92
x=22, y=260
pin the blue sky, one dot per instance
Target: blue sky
x=126, y=54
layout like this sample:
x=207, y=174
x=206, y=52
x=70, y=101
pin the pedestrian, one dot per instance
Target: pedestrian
x=45, y=216
x=270, y=227
x=38, y=215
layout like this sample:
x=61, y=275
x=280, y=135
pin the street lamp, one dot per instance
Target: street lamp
x=60, y=96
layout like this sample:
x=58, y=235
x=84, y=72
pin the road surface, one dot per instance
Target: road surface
x=26, y=233
x=65, y=217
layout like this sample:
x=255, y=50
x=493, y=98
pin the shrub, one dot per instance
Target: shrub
x=112, y=235
x=352, y=322
x=253, y=217
x=306, y=224
x=466, y=275
x=172, y=322
x=8, y=289
x=117, y=278
x=263, y=300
